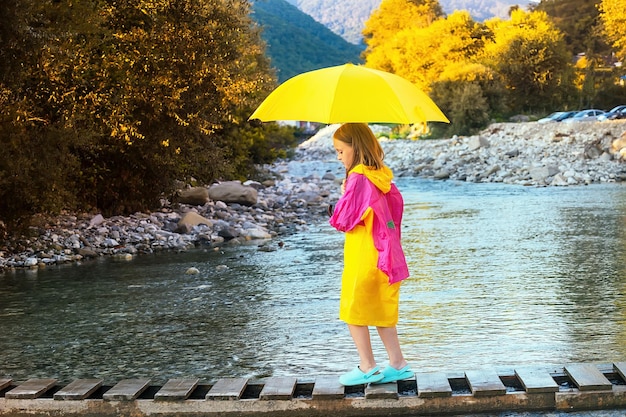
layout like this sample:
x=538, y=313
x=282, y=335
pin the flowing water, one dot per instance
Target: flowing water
x=502, y=276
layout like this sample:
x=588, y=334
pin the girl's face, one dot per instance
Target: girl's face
x=345, y=153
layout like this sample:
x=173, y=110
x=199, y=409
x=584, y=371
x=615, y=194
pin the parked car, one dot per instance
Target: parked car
x=557, y=116
x=585, y=116
x=617, y=112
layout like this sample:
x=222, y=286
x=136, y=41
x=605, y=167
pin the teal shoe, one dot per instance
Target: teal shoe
x=391, y=374
x=358, y=377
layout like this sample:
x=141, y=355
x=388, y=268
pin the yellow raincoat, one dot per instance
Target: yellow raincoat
x=367, y=296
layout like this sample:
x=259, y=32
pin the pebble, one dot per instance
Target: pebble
x=528, y=154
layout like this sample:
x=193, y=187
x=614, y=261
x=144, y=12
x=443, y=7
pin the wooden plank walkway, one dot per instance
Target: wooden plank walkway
x=382, y=391
x=78, y=390
x=484, y=382
x=536, y=381
x=33, y=388
x=177, y=389
x=126, y=390
x=227, y=389
x=5, y=383
x=432, y=384
x=327, y=387
x=526, y=388
x=620, y=368
x=587, y=377
x=278, y=388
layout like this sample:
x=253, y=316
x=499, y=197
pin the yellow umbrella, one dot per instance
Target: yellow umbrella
x=348, y=94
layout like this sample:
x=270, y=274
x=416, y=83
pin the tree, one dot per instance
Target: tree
x=470, y=95
x=613, y=17
x=421, y=55
x=580, y=28
x=529, y=53
x=466, y=106
x=392, y=18
x=115, y=100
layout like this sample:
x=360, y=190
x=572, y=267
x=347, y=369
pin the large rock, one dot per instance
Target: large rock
x=477, y=142
x=618, y=144
x=233, y=192
x=195, y=196
x=191, y=219
x=540, y=174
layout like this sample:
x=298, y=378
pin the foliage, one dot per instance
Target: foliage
x=116, y=100
x=579, y=28
x=346, y=17
x=439, y=55
x=296, y=43
x=529, y=53
x=613, y=17
x=419, y=55
x=474, y=71
x=277, y=142
x=469, y=94
x=390, y=25
x=466, y=104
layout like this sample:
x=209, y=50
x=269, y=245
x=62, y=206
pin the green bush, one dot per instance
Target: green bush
x=465, y=105
x=106, y=105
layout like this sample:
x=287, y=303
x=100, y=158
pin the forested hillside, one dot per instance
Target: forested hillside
x=347, y=17
x=297, y=43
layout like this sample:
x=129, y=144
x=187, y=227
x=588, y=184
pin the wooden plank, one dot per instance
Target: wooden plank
x=536, y=380
x=5, y=383
x=587, y=377
x=485, y=382
x=278, y=388
x=620, y=368
x=432, y=384
x=327, y=387
x=126, y=390
x=227, y=389
x=78, y=390
x=382, y=391
x=33, y=388
x=176, y=389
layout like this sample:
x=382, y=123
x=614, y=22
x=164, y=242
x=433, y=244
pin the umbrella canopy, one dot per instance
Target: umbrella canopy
x=349, y=94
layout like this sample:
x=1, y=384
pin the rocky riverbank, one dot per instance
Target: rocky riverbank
x=530, y=154
x=297, y=193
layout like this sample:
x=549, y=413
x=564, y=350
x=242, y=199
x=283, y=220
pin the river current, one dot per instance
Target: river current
x=502, y=276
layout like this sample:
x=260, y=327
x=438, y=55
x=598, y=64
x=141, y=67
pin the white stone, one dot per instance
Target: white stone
x=31, y=262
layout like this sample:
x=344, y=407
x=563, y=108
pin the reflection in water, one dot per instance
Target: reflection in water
x=501, y=275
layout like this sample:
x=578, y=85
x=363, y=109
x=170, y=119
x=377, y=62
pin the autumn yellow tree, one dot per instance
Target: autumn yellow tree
x=421, y=55
x=392, y=18
x=529, y=53
x=613, y=16
x=440, y=58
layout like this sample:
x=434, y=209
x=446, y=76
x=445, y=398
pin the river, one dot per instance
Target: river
x=502, y=275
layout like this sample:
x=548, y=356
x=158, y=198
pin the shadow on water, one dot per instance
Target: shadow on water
x=501, y=275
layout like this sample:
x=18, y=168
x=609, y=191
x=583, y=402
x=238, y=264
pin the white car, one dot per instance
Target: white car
x=585, y=116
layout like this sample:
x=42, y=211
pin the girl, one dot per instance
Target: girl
x=370, y=212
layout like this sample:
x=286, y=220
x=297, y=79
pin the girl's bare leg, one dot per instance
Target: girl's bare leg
x=361, y=337
x=389, y=336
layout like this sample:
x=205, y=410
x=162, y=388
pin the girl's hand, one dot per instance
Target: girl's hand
x=343, y=186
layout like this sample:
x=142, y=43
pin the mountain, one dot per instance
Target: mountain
x=347, y=17
x=297, y=43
